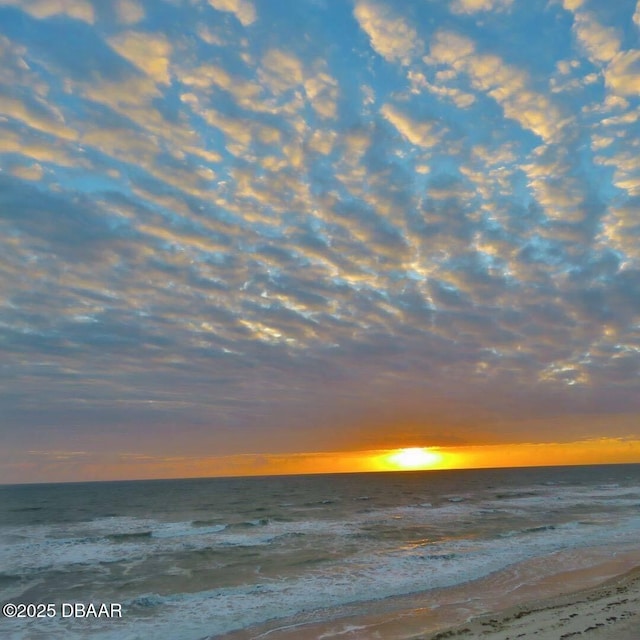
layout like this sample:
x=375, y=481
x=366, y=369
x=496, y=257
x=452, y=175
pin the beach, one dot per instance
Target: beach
x=607, y=612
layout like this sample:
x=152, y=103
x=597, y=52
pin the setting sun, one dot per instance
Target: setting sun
x=414, y=458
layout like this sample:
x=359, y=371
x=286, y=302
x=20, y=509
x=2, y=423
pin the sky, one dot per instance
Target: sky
x=252, y=237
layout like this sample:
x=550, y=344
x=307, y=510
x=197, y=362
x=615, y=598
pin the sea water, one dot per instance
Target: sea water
x=194, y=559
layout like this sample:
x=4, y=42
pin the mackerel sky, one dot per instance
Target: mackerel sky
x=266, y=227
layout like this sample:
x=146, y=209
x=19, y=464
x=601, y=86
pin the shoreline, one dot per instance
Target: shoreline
x=609, y=611
x=523, y=601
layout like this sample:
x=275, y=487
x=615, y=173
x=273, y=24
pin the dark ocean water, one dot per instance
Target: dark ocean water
x=189, y=559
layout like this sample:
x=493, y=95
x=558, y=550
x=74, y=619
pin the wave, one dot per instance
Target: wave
x=248, y=524
x=9, y=578
x=205, y=523
x=147, y=601
x=127, y=537
x=540, y=529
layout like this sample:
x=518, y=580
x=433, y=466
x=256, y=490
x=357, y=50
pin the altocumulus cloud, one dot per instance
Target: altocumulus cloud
x=235, y=226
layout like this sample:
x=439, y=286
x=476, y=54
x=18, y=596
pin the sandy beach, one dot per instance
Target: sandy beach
x=610, y=611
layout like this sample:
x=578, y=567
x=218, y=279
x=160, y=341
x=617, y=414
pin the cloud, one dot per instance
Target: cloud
x=418, y=133
x=626, y=167
x=60, y=223
x=460, y=98
x=322, y=93
x=129, y=11
x=553, y=180
x=122, y=143
x=506, y=84
x=207, y=76
x=237, y=131
x=28, y=172
x=149, y=52
x=281, y=70
x=601, y=43
x=242, y=9
x=452, y=49
x=77, y=9
x=139, y=130
x=322, y=141
x=622, y=75
x=14, y=70
x=37, y=115
x=33, y=147
x=621, y=228
x=604, y=47
x=391, y=36
x=474, y=6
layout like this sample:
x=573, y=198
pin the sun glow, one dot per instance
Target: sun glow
x=414, y=458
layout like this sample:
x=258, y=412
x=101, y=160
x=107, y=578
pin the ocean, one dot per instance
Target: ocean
x=247, y=557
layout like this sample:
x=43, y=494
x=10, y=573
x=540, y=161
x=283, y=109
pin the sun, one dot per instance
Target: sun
x=414, y=458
